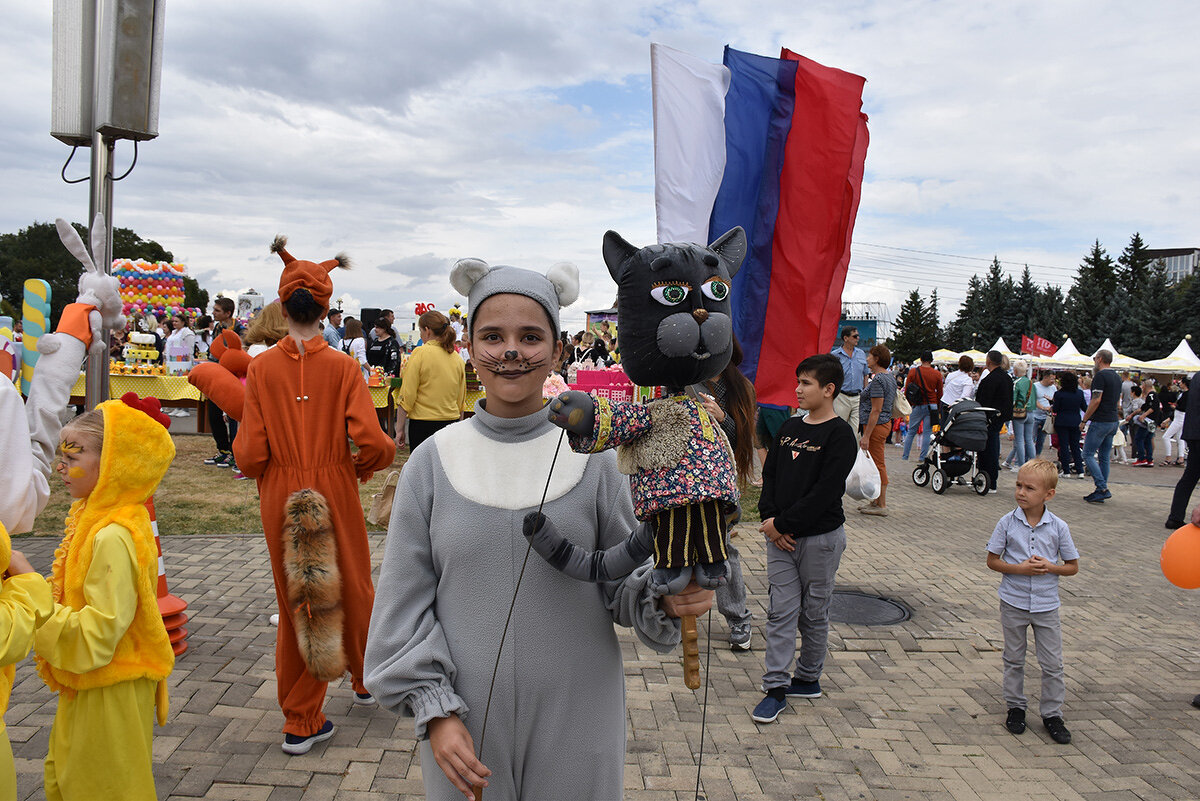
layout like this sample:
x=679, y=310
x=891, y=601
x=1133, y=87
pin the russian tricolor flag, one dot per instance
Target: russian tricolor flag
x=777, y=146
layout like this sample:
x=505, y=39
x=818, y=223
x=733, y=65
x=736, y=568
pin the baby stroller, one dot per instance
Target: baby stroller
x=955, y=448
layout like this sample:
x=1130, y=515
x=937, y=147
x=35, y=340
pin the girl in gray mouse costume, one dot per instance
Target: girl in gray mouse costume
x=675, y=329
x=556, y=726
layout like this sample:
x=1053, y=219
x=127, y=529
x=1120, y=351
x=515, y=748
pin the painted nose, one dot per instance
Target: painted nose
x=510, y=355
x=700, y=314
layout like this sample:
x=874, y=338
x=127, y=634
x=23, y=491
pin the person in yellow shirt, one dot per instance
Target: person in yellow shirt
x=433, y=390
x=24, y=604
x=104, y=649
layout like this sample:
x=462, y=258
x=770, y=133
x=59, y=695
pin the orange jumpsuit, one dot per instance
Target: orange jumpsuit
x=299, y=410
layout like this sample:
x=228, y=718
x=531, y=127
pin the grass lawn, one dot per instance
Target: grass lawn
x=196, y=498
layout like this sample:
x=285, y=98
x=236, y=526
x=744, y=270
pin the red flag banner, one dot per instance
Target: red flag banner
x=1043, y=346
x=1027, y=345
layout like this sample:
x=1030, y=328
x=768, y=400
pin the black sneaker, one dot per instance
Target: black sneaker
x=803, y=689
x=1057, y=729
x=1174, y=524
x=1096, y=496
x=1016, y=721
x=295, y=745
x=218, y=459
x=229, y=462
x=364, y=699
x=1196, y=702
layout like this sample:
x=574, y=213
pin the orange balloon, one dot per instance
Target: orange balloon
x=1180, y=558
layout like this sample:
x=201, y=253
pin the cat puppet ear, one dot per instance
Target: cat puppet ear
x=731, y=246
x=616, y=250
x=565, y=278
x=466, y=273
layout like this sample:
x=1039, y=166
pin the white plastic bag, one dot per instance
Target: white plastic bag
x=863, y=483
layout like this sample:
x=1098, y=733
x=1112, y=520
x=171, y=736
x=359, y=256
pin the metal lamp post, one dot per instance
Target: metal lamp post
x=107, y=58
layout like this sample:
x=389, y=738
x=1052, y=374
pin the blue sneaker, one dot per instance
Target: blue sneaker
x=804, y=689
x=1096, y=496
x=295, y=745
x=768, y=709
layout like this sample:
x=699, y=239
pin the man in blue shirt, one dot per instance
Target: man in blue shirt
x=855, y=374
x=332, y=331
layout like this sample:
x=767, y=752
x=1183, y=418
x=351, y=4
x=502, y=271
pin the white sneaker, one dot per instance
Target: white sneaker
x=275, y=619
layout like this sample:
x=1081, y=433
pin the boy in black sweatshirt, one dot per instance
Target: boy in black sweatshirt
x=804, y=478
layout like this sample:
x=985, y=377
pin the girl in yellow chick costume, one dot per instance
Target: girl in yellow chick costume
x=104, y=649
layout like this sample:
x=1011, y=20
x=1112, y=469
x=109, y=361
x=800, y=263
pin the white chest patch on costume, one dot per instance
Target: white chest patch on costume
x=507, y=475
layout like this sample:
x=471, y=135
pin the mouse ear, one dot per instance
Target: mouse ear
x=565, y=278
x=466, y=273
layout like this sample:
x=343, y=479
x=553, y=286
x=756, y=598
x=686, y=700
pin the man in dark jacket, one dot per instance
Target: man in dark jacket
x=1191, y=473
x=995, y=391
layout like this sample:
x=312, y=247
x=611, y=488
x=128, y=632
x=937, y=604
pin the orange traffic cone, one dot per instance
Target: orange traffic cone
x=170, y=607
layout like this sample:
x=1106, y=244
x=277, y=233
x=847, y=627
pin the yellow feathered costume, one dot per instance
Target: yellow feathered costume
x=104, y=648
x=24, y=605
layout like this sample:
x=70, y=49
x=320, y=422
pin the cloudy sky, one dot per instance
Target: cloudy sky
x=412, y=134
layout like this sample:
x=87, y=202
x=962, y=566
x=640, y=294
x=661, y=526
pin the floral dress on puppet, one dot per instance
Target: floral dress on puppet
x=673, y=307
x=104, y=649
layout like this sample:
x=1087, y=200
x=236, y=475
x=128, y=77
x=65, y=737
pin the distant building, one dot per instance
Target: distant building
x=871, y=319
x=1180, y=262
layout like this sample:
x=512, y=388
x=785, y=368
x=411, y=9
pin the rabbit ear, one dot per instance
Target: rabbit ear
x=465, y=273
x=70, y=238
x=98, y=233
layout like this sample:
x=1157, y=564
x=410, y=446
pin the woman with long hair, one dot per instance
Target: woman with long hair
x=354, y=344
x=267, y=328
x=433, y=393
x=875, y=407
x=729, y=399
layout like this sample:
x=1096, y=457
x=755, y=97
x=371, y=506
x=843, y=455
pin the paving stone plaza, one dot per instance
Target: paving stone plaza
x=911, y=711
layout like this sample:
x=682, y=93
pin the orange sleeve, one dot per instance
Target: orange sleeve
x=74, y=322
x=376, y=449
x=251, y=448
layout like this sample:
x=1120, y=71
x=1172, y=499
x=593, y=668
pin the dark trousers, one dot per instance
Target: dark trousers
x=1143, y=443
x=223, y=435
x=1070, y=451
x=1187, y=483
x=421, y=430
x=990, y=458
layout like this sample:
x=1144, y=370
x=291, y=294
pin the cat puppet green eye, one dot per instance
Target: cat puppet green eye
x=715, y=288
x=670, y=294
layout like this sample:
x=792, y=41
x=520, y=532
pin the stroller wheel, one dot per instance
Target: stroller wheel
x=980, y=483
x=939, y=482
x=921, y=475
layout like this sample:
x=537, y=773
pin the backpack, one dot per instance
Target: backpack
x=914, y=391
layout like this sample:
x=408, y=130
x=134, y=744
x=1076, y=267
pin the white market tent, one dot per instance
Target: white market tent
x=1066, y=356
x=1004, y=349
x=1181, y=360
x=1119, y=361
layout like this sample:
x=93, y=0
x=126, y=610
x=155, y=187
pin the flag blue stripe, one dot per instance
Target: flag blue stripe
x=758, y=118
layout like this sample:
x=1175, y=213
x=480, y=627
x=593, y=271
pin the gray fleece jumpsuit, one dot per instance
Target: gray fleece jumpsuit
x=556, y=729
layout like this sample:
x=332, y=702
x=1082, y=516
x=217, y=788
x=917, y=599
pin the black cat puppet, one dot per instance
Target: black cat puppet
x=675, y=330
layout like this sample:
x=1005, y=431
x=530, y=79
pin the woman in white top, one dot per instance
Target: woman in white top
x=354, y=344
x=182, y=339
x=958, y=385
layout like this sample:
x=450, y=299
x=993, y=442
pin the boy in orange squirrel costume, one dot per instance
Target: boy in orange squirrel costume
x=302, y=399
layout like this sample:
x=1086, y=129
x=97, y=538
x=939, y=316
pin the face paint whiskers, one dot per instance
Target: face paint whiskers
x=510, y=363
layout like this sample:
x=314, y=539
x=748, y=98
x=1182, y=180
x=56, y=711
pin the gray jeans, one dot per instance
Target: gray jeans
x=731, y=596
x=801, y=589
x=1047, y=638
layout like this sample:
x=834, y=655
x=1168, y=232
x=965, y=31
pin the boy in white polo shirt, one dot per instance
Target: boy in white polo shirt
x=1026, y=547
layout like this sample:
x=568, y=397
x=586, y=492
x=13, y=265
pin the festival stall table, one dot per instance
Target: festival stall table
x=171, y=391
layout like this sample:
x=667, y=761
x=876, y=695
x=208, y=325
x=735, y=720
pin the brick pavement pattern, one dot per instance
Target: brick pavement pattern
x=911, y=711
